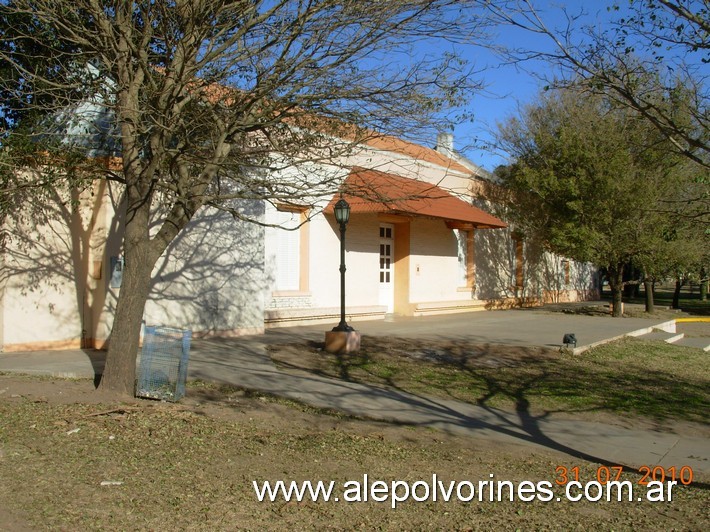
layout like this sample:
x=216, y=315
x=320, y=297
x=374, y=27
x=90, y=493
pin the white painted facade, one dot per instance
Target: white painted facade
x=433, y=281
x=57, y=279
x=225, y=277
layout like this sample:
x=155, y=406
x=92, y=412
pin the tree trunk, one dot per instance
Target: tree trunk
x=140, y=256
x=616, y=285
x=648, y=288
x=120, y=371
x=703, y=284
x=676, y=293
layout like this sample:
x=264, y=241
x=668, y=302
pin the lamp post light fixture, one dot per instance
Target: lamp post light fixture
x=342, y=339
x=342, y=216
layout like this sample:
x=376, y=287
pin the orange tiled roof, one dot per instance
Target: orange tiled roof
x=420, y=153
x=371, y=191
x=215, y=91
x=354, y=133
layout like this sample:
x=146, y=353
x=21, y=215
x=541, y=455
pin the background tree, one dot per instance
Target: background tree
x=211, y=101
x=643, y=53
x=591, y=180
x=676, y=249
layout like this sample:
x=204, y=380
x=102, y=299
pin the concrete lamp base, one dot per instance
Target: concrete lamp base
x=340, y=342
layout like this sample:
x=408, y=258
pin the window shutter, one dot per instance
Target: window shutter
x=462, y=252
x=288, y=251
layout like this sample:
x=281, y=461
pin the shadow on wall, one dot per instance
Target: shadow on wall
x=546, y=277
x=430, y=238
x=54, y=265
x=361, y=234
x=55, y=272
x=495, y=264
x=54, y=269
x=211, y=278
x=563, y=281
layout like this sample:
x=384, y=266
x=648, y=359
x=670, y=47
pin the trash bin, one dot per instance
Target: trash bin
x=162, y=371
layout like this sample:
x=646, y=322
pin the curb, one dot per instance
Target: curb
x=666, y=326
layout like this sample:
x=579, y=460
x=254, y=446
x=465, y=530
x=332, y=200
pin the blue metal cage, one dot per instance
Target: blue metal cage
x=163, y=365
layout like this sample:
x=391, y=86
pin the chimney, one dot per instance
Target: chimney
x=445, y=142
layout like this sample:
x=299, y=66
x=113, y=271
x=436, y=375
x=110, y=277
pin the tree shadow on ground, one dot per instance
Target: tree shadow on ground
x=518, y=378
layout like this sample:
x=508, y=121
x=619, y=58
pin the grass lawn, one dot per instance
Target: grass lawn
x=689, y=302
x=71, y=459
x=652, y=380
x=145, y=465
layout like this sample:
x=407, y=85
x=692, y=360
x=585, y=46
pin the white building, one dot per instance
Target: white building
x=415, y=245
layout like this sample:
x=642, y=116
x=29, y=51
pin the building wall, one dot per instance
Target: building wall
x=40, y=318
x=504, y=272
x=561, y=280
x=217, y=277
x=452, y=180
x=2, y=302
x=47, y=259
x=362, y=243
x=56, y=275
x=431, y=263
x=361, y=258
x=211, y=278
x=432, y=267
x=434, y=263
x=434, y=282
x=495, y=264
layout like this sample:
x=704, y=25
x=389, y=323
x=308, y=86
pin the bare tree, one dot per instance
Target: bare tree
x=204, y=102
x=644, y=54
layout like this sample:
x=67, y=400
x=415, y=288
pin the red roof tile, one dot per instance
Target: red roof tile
x=371, y=191
x=415, y=151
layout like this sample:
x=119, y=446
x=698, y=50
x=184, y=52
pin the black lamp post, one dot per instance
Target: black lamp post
x=342, y=216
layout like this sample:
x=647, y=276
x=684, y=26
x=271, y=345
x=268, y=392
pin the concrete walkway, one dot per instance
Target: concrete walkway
x=527, y=327
x=244, y=362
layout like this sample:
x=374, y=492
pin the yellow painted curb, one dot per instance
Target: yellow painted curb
x=690, y=320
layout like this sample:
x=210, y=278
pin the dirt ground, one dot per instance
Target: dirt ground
x=191, y=465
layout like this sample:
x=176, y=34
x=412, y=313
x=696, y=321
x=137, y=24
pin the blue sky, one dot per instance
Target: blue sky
x=508, y=87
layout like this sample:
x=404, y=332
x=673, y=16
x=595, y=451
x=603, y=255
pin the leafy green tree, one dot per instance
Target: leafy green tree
x=675, y=249
x=592, y=180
